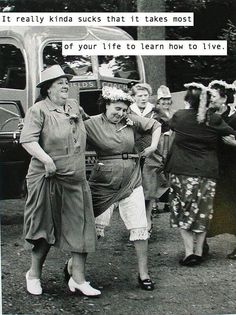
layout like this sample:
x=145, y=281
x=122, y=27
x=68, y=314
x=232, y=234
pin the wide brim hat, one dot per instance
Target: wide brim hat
x=163, y=92
x=52, y=73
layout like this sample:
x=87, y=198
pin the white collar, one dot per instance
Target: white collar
x=232, y=109
x=149, y=107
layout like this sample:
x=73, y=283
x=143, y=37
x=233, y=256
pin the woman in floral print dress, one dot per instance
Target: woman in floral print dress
x=193, y=168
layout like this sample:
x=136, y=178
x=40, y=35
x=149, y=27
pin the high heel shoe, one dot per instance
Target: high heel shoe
x=33, y=285
x=85, y=288
x=189, y=261
x=232, y=255
x=146, y=284
x=199, y=259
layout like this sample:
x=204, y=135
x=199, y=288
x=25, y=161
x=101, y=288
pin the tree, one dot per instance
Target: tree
x=214, y=19
x=154, y=65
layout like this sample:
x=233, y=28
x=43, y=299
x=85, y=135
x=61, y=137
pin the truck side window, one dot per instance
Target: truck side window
x=12, y=68
x=76, y=65
x=124, y=67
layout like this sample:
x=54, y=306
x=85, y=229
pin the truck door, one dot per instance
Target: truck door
x=13, y=158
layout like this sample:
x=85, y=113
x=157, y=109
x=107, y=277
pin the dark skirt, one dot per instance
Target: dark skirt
x=191, y=202
x=154, y=180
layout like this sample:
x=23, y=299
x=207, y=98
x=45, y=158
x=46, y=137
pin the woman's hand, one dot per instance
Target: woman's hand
x=148, y=151
x=50, y=168
x=34, y=149
x=230, y=140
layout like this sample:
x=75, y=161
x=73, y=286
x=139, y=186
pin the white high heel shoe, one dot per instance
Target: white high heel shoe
x=84, y=288
x=33, y=285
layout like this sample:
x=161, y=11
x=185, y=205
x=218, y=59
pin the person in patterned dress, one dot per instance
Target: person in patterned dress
x=193, y=168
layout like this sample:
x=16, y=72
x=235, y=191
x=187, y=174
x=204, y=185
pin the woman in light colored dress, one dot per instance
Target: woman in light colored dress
x=116, y=178
x=58, y=209
x=153, y=179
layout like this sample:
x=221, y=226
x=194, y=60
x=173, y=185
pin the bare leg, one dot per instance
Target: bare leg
x=141, y=247
x=200, y=238
x=188, y=239
x=38, y=256
x=148, y=204
x=77, y=281
x=78, y=267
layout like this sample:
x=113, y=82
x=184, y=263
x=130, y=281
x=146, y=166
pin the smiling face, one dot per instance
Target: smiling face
x=141, y=98
x=115, y=111
x=165, y=103
x=58, y=91
x=216, y=99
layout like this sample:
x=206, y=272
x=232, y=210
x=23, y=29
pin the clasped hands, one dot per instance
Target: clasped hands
x=148, y=151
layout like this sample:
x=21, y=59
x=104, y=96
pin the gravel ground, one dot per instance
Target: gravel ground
x=202, y=290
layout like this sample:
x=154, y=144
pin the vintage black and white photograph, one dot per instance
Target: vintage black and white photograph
x=117, y=172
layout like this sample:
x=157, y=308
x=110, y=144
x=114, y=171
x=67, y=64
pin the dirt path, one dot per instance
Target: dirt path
x=206, y=289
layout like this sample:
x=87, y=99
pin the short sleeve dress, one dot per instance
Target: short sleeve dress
x=58, y=209
x=114, y=179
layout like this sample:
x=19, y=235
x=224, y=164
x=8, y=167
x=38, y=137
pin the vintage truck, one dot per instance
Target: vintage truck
x=24, y=53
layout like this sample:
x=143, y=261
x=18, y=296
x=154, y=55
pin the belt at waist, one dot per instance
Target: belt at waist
x=123, y=156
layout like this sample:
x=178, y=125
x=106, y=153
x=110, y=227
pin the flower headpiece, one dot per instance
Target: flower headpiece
x=222, y=83
x=195, y=85
x=113, y=94
x=202, y=109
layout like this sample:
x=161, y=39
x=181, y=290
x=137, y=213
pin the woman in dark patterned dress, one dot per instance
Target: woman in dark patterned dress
x=193, y=168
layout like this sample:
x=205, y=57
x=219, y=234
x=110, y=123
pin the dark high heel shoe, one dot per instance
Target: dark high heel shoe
x=66, y=272
x=232, y=255
x=199, y=259
x=189, y=261
x=155, y=211
x=146, y=284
